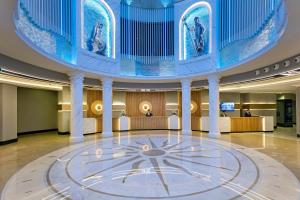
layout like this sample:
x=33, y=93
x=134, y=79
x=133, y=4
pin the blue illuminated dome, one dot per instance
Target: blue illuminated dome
x=159, y=39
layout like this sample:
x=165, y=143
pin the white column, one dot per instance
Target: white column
x=76, y=107
x=214, y=109
x=107, y=107
x=298, y=111
x=186, y=106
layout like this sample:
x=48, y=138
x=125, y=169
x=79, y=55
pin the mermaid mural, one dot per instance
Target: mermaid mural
x=96, y=42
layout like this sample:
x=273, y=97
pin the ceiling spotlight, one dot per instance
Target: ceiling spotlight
x=266, y=70
x=287, y=63
x=276, y=67
x=297, y=59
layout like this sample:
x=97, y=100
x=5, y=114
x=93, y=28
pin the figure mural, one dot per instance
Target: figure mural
x=196, y=33
x=96, y=42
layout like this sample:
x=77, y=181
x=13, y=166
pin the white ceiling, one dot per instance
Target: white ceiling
x=11, y=45
x=287, y=84
x=30, y=83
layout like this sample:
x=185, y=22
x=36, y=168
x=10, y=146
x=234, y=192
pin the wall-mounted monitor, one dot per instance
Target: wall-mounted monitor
x=227, y=106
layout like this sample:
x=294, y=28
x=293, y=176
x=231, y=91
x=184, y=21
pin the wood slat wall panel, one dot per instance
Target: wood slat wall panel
x=99, y=124
x=179, y=96
x=246, y=124
x=196, y=97
x=115, y=124
x=157, y=99
x=92, y=96
x=196, y=123
x=259, y=106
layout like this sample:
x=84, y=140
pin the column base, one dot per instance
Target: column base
x=214, y=135
x=76, y=139
x=186, y=132
x=107, y=134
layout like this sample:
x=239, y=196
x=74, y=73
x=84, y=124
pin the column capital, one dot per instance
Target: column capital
x=186, y=82
x=213, y=78
x=75, y=75
x=106, y=81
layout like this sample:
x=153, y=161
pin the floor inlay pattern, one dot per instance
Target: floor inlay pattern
x=153, y=167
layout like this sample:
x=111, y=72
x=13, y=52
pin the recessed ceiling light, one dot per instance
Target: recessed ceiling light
x=297, y=59
x=276, y=67
x=287, y=63
x=266, y=70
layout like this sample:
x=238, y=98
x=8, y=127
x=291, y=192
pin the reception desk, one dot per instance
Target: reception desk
x=151, y=123
x=246, y=124
x=174, y=122
x=241, y=124
x=89, y=125
x=227, y=124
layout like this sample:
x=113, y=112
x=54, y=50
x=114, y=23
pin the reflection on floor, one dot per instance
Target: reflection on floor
x=151, y=165
x=287, y=132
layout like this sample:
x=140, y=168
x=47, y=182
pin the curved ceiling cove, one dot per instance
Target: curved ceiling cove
x=151, y=4
x=137, y=39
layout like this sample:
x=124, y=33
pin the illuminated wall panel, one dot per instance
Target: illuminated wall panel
x=99, y=28
x=195, y=31
x=147, y=34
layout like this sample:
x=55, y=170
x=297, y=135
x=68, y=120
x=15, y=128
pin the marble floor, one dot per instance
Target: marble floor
x=151, y=165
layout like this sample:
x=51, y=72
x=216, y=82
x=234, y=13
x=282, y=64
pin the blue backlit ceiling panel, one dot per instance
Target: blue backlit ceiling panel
x=195, y=32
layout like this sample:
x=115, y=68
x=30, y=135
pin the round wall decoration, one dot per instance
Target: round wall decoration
x=144, y=106
x=97, y=108
x=194, y=107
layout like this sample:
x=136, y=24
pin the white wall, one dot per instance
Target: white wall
x=8, y=112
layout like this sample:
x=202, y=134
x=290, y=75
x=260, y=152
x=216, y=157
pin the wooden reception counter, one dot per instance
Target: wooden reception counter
x=246, y=124
x=151, y=123
x=227, y=124
x=241, y=124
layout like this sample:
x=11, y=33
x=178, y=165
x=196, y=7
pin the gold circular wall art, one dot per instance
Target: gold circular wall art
x=97, y=108
x=194, y=107
x=145, y=106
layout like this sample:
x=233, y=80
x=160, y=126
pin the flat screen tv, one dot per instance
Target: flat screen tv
x=227, y=107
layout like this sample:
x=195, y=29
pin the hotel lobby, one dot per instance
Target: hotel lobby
x=141, y=100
